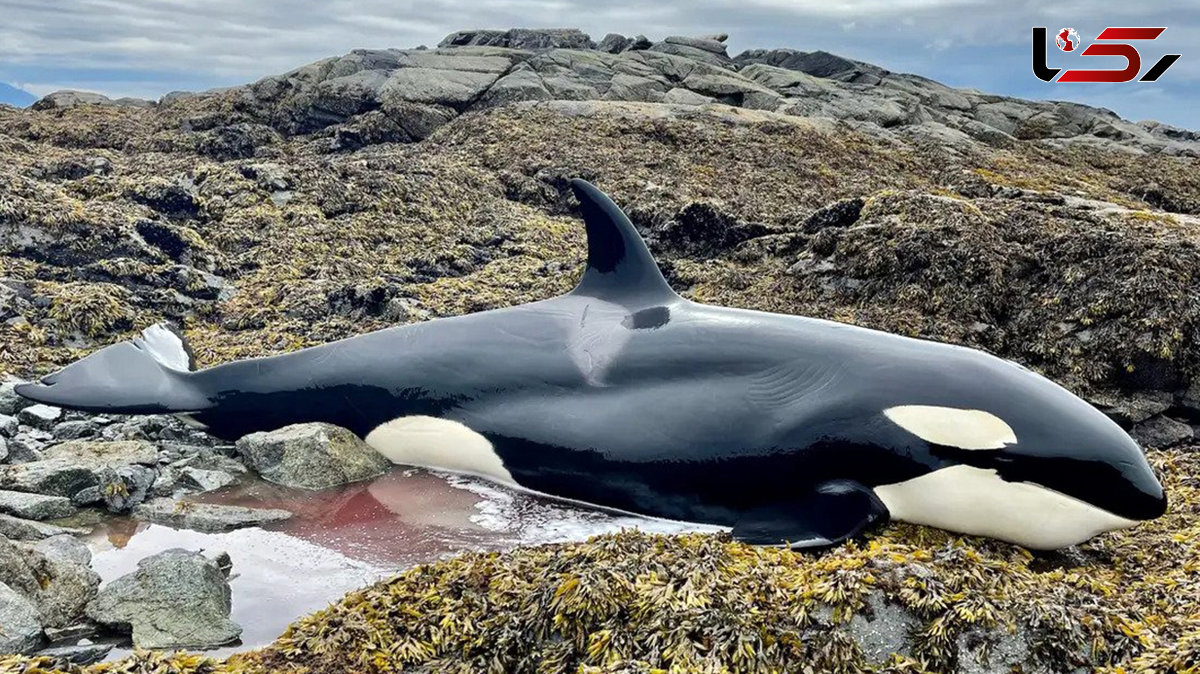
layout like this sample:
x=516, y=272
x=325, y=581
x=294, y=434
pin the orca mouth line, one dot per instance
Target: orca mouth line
x=1110, y=486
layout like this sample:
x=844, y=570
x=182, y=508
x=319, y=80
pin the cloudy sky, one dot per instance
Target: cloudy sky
x=146, y=48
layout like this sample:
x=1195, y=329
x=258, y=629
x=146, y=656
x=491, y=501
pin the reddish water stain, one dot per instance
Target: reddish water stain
x=342, y=539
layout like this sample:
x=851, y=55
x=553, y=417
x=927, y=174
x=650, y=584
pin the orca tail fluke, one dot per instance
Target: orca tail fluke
x=150, y=374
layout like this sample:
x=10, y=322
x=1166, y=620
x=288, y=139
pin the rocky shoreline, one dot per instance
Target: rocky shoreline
x=394, y=186
x=62, y=468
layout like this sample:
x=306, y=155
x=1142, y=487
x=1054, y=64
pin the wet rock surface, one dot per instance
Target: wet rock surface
x=207, y=516
x=311, y=456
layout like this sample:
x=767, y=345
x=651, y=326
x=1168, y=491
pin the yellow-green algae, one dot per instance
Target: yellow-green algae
x=1022, y=277
x=1128, y=601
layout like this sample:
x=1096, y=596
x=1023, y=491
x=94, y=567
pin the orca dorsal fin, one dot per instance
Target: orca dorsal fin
x=620, y=267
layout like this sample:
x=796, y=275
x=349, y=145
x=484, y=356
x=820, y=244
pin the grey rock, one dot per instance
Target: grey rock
x=20, y=529
x=76, y=654
x=1190, y=398
x=87, y=496
x=72, y=467
x=520, y=38
x=42, y=417
x=405, y=310
x=59, y=589
x=3, y=450
x=414, y=120
x=237, y=141
x=694, y=49
x=105, y=453
x=681, y=96
x=469, y=59
x=123, y=487
x=22, y=628
x=521, y=84
x=207, y=480
x=1161, y=432
x=708, y=44
x=625, y=87
x=136, y=428
x=311, y=456
x=883, y=629
x=614, y=43
x=202, y=469
x=27, y=445
x=72, y=632
x=335, y=100
x=639, y=43
x=54, y=477
x=34, y=506
x=66, y=588
x=63, y=548
x=75, y=430
x=816, y=63
x=208, y=517
x=1129, y=410
x=10, y=402
x=430, y=85
x=269, y=176
x=8, y=425
x=175, y=599
x=733, y=89
x=983, y=651
x=69, y=98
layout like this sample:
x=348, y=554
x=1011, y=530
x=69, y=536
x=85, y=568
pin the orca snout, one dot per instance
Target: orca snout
x=1145, y=498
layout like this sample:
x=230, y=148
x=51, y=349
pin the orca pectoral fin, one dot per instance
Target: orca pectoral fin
x=833, y=513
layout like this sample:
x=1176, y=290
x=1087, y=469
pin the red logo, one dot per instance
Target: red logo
x=1067, y=40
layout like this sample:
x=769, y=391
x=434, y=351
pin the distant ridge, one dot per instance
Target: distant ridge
x=16, y=97
x=402, y=95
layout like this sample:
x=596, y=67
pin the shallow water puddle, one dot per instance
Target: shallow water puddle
x=343, y=539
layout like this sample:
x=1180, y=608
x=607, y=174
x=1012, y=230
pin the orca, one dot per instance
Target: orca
x=623, y=395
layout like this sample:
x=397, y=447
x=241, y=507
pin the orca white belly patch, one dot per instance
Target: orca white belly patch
x=979, y=502
x=443, y=444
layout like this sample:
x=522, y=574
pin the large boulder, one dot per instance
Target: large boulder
x=175, y=599
x=311, y=456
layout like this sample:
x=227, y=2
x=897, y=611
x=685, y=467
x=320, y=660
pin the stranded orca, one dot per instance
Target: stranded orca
x=624, y=395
